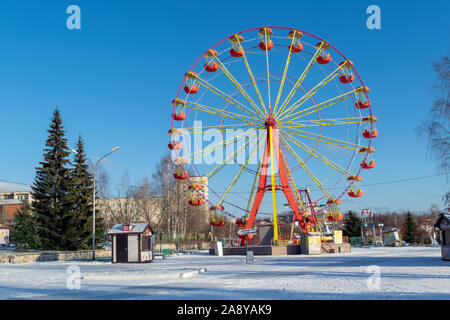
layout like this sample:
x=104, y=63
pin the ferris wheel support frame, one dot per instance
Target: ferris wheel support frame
x=272, y=150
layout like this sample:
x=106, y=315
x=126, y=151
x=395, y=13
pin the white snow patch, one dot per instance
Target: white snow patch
x=405, y=273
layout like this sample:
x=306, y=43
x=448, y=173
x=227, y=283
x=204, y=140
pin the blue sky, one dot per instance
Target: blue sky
x=113, y=80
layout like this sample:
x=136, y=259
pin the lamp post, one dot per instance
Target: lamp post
x=93, y=196
x=160, y=239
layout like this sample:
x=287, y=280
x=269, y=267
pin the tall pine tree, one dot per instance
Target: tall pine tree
x=410, y=224
x=82, y=191
x=26, y=230
x=352, y=225
x=51, y=187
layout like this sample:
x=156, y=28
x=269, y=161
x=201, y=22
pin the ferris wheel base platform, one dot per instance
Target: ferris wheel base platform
x=260, y=250
x=326, y=248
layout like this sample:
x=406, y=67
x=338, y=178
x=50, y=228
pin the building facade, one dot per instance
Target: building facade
x=17, y=195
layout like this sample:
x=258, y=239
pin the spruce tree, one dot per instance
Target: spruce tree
x=352, y=225
x=82, y=191
x=410, y=226
x=25, y=230
x=51, y=187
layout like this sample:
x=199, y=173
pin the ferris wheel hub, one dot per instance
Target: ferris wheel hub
x=270, y=122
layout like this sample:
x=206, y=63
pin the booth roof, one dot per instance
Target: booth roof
x=441, y=217
x=135, y=228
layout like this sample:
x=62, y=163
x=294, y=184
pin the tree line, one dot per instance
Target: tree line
x=412, y=227
x=60, y=216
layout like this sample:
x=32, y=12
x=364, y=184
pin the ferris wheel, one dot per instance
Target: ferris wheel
x=276, y=110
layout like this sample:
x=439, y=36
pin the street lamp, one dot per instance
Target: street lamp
x=93, y=196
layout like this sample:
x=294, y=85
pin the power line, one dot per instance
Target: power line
x=365, y=185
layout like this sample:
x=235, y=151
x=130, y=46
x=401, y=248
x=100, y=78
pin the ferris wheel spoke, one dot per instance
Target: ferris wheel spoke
x=268, y=71
x=322, y=138
x=219, y=127
x=227, y=97
x=238, y=86
x=222, y=113
x=306, y=169
x=299, y=82
x=219, y=145
x=249, y=70
x=322, y=122
x=312, y=92
x=227, y=159
x=317, y=155
x=283, y=78
x=239, y=173
x=319, y=106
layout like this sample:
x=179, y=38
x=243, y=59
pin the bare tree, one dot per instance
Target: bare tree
x=165, y=188
x=121, y=207
x=436, y=126
x=148, y=204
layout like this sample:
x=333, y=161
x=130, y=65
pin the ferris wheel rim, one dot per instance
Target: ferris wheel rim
x=311, y=35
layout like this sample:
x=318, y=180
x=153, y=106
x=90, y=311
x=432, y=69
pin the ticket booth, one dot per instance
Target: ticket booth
x=443, y=223
x=310, y=243
x=131, y=243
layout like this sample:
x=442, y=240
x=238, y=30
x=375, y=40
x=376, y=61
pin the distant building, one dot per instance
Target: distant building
x=10, y=202
x=17, y=195
x=7, y=210
x=115, y=210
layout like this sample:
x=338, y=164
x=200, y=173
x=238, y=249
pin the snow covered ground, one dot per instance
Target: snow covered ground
x=404, y=273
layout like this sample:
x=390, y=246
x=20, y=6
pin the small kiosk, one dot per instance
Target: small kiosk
x=132, y=243
x=443, y=223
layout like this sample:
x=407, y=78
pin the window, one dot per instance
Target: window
x=146, y=243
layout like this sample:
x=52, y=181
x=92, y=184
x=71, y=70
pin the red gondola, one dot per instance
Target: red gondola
x=215, y=220
x=365, y=165
x=370, y=131
x=322, y=60
x=264, y=46
x=370, y=134
x=191, y=87
x=297, y=45
x=346, y=79
x=191, y=90
x=180, y=174
x=179, y=116
x=362, y=105
x=323, y=57
x=358, y=194
x=265, y=43
x=175, y=146
x=211, y=68
x=236, y=51
x=196, y=202
x=357, y=180
x=211, y=65
x=347, y=76
x=297, y=48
